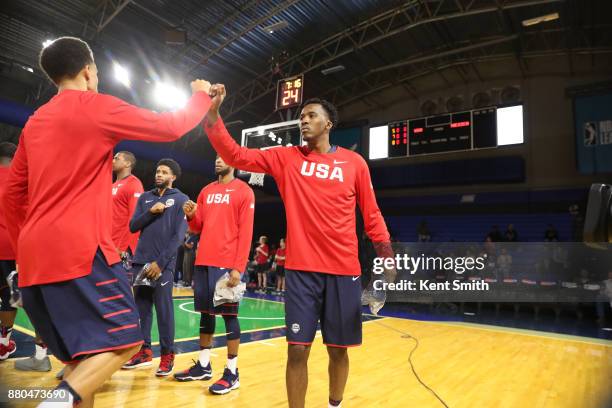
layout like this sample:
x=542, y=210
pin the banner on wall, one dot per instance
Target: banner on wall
x=593, y=122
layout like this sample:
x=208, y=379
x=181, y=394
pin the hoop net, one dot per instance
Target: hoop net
x=257, y=179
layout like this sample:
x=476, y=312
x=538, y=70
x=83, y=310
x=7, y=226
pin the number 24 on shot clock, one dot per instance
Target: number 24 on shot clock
x=289, y=92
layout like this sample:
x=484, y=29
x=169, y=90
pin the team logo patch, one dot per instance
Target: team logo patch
x=295, y=328
x=169, y=202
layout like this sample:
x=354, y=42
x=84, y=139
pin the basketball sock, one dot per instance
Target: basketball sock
x=204, y=357
x=232, y=362
x=41, y=351
x=5, y=335
x=73, y=397
x=334, y=403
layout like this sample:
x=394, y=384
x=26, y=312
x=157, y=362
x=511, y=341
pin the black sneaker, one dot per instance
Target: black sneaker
x=195, y=372
x=226, y=383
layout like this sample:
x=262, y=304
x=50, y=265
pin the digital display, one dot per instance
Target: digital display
x=437, y=134
x=289, y=92
x=398, y=139
x=459, y=131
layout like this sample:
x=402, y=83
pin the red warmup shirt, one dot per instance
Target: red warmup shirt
x=261, y=258
x=225, y=220
x=57, y=200
x=280, y=252
x=320, y=192
x=125, y=197
x=6, y=250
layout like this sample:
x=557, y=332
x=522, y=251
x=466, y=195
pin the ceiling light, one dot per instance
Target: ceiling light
x=276, y=26
x=541, y=19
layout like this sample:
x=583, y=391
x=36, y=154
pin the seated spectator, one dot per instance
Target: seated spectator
x=551, y=234
x=495, y=234
x=511, y=235
x=504, y=263
x=423, y=234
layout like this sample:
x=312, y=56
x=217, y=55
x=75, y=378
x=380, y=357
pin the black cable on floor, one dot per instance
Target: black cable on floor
x=416, y=345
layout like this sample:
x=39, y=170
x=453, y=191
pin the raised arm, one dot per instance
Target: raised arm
x=122, y=121
x=254, y=160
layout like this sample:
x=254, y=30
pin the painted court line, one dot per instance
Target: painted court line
x=523, y=332
x=182, y=307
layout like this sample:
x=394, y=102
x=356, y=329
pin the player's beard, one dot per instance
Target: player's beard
x=223, y=172
x=163, y=184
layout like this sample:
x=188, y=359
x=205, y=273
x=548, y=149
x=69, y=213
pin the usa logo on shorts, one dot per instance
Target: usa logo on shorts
x=295, y=327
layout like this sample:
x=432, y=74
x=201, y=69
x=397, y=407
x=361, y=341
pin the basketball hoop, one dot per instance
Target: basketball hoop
x=257, y=179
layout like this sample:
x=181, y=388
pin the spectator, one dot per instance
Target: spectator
x=279, y=259
x=423, y=234
x=577, y=223
x=504, y=262
x=511, y=235
x=495, y=234
x=190, y=248
x=272, y=266
x=180, y=255
x=604, y=308
x=584, y=278
x=489, y=247
x=551, y=234
x=261, y=259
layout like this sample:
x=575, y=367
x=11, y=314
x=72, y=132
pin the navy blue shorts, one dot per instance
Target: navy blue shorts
x=334, y=300
x=204, y=280
x=87, y=315
x=6, y=267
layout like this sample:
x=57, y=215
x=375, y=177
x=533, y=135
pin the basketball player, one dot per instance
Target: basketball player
x=39, y=361
x=126, y=190
x=224, y=216
x=58, y=210
x=7, y=263
x=161, y=221
x=320, y=185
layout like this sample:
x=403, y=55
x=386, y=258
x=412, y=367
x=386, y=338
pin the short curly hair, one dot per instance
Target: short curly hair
x=7, y=149
x=65, y=58
x=172, y=164
x=328, y=107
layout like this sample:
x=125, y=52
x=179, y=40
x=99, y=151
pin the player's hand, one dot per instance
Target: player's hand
x=234, y=278
x=154, y=272
x=217, y=93
x=200, y=85
x=158, y=208
x=190, y=209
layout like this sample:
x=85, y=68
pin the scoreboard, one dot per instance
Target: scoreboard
x=451, y=132
x=289, y=92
